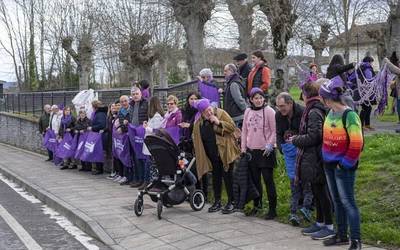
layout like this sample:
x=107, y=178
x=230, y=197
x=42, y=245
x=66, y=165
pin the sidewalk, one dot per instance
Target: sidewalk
x=104, y=210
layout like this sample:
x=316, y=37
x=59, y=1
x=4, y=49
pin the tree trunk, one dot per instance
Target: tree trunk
x=242, y=13
x=394, y=29
x=146, y=72
x=193, y=15
x=319, y=44
x=42, y=69
x=163, y=72
x=31, y=53
x=318, y=57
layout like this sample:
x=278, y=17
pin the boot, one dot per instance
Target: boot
x=271, y=212
x=215, y=207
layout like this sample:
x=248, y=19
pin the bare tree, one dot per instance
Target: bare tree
x=320, y=43
x=193, y=15
x=242, y=12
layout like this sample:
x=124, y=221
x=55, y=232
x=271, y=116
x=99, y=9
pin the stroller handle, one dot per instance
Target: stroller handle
x=191, y=164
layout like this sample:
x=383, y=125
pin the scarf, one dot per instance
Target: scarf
x=303, y=130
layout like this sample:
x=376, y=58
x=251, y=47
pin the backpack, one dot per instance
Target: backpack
x=344, y=118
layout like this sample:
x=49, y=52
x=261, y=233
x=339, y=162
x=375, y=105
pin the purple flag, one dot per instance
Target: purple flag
x=66, y=148
x=80, y=143
x=136, y=138
x=50, y=141
x=121, y=148
x=174, y=132
x=93, y=148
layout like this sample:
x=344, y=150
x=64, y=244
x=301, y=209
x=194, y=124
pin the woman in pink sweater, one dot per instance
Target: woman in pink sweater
x=258, y=139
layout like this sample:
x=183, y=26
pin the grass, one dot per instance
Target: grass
x=377, y=191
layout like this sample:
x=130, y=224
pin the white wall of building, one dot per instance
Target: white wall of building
x=362, y=51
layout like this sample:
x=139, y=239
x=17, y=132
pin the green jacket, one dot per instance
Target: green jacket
x=44, y=122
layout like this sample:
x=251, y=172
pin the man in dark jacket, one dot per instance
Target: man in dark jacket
x=243, y=65
x=234, y=97
x=44, y=122
x=137, y=115
x=137, y=108
x=288, y=118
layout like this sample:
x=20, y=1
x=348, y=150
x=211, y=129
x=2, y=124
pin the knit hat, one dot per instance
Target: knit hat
x=239, y=57
x=255, y=91
x=329, y=90
x=202, y=105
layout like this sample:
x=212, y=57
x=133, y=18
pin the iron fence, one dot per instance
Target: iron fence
x=32, y=103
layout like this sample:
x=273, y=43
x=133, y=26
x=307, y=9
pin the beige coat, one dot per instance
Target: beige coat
x=227, y=146
x=396, y=71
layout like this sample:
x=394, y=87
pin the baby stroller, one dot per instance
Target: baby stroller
x=175, y=183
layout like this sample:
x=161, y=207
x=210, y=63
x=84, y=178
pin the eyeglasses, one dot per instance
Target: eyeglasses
x=170, y=103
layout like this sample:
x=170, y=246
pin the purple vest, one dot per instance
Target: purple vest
x=209, y=91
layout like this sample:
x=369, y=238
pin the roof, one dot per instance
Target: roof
x=363, y=37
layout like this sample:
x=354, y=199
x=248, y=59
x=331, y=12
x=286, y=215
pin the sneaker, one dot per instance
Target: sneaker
x=323, y=234
x=136, y=184
x=228, y=209
x=123, y=179
x=294, y=220
x=355, y=245
x=370, y=128
x=336, y=241
x=123, y=183
x=254, y=211
x=117, y=178
x=112, y=175
x=215, y=207
x=49, y=159
x=311, y=229
x=74, y=166
x=64, y=167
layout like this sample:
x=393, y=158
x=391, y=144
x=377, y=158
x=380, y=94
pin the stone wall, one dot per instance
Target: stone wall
x=20, y=131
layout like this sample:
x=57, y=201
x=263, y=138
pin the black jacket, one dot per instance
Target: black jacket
x=71, y=126
x=230, y=105
x=244, y=189
x=338, y=69
x=283, y=124
x=82, y=124
x=100, y=123
x=244, y=71
x=143, y=107
x=311, y=163
x=44, y=122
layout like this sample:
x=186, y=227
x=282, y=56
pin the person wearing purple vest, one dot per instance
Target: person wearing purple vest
x=207, y=87
x=173, y=117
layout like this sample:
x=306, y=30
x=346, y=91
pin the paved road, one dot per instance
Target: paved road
x=24, y=225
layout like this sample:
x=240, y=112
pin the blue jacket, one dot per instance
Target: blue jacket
x=100, y=123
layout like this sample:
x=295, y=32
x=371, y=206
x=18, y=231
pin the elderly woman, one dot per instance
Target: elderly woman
x=216, y=150
x=234, y=94
x=173, y=117
x=207, y=87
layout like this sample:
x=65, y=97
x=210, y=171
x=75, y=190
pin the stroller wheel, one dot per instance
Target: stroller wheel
x=159, y=209
x=138, y=207
x=197, y=200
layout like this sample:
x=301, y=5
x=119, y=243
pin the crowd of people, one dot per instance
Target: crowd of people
x=321, y=141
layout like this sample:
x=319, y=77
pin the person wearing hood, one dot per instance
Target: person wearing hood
x=259, y=139
x=68, y=122
x=216, y=150
x=309, y=164
x=207, y=87
x=342, y=146
x=99, y=125
x=234, y=95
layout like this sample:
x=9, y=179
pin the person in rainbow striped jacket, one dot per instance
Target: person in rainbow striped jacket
x=341, y=149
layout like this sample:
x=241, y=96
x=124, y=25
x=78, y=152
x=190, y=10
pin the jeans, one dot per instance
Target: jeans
x=300, y=191
x=341, y=187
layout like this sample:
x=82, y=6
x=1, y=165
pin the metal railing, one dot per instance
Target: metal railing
x=31, y=103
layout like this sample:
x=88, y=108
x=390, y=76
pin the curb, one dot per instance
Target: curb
x=77, y=217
